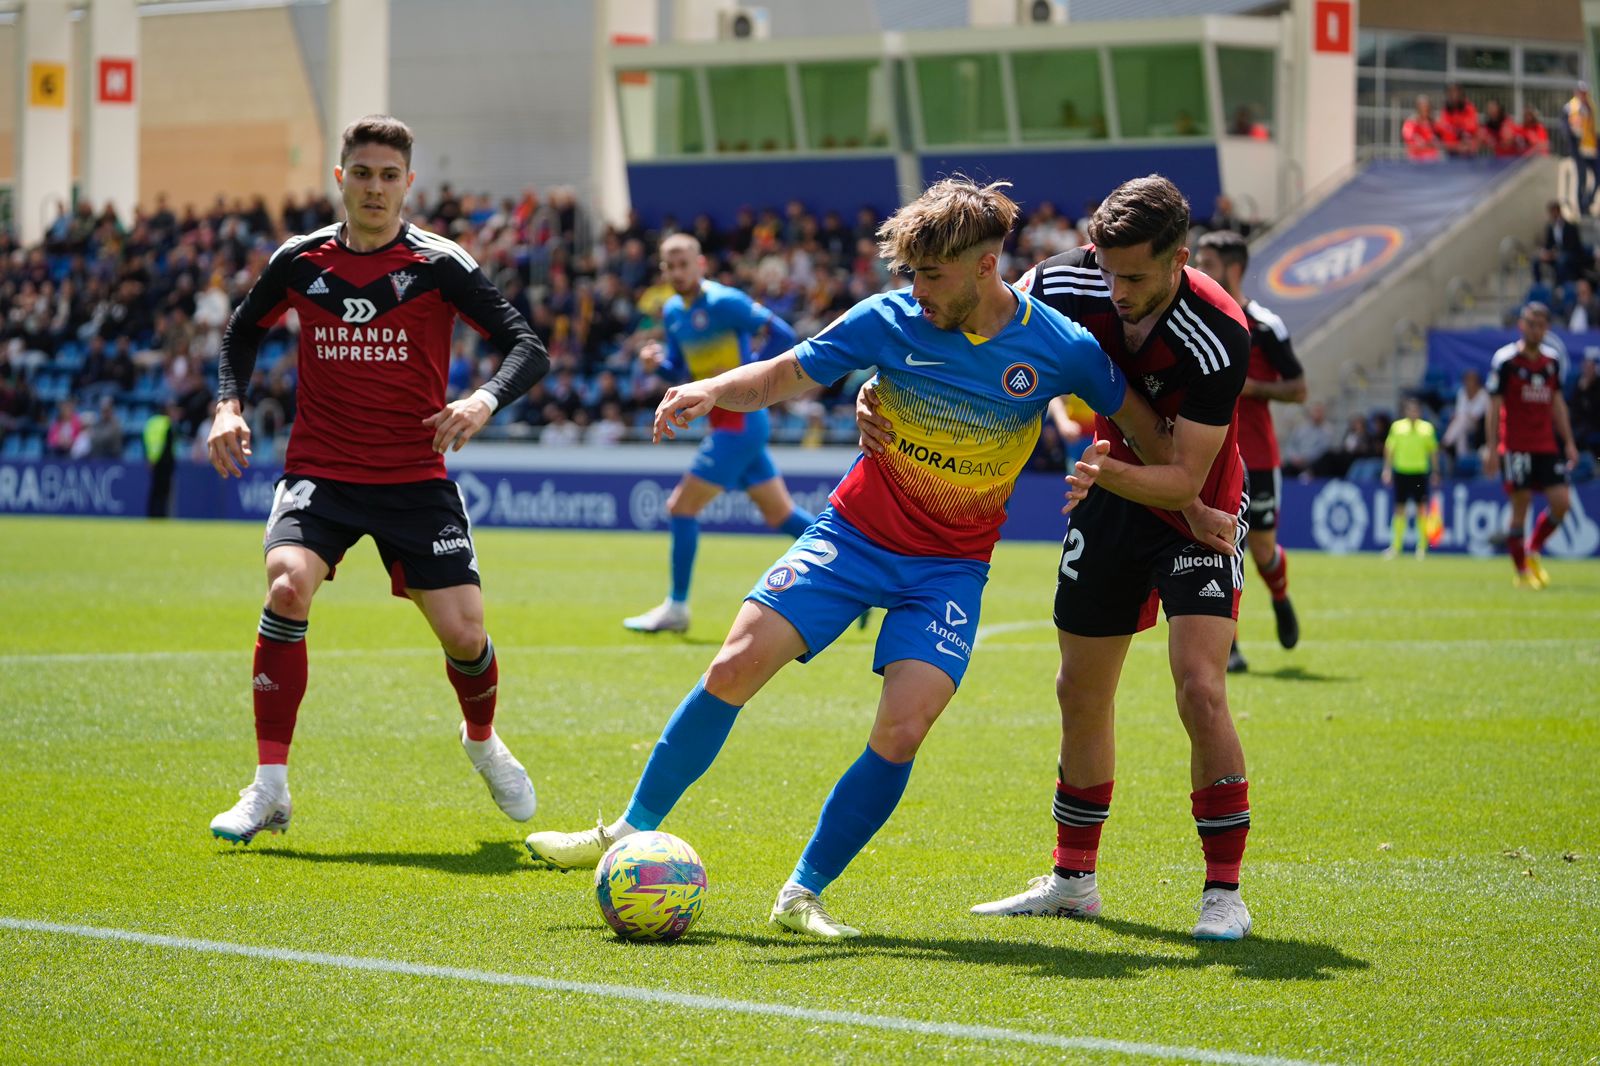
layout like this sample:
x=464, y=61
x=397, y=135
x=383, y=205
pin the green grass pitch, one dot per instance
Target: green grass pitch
x=1423, y=868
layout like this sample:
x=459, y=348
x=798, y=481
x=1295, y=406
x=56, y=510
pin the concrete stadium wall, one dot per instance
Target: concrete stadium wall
x=227, y=107
x=1551, y=20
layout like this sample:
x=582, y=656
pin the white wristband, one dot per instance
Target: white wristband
x=487, y=397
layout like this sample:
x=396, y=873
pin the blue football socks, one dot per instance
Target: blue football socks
x=856, y=809
x=685, y=541
x=797, y=522
x=687, y=747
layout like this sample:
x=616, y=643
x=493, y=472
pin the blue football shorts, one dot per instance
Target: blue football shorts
x=833, y=573
x=735, y=459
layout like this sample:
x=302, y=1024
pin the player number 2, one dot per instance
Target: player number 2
x=1070, y=552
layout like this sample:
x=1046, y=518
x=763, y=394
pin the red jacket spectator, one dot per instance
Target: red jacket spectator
x=1535, y=138
x=1421, y=133
x=1499, y=133
x=1459, y=121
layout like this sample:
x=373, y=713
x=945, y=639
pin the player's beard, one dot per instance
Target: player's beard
x=1145, y=310
x=958, y=308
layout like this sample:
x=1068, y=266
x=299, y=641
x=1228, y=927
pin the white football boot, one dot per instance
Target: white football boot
x=507, y=780
x=1222, y=916
x=260, y=807
x=1048, y=896
x=669, y=616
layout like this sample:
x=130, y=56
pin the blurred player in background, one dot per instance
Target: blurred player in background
x=1410, y=464
x=1152, y=534
x=377, y=300
x=1274, y=375
x=709, y=330
x=967, y=366
x=1527, y=412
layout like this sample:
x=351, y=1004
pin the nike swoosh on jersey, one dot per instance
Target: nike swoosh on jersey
x=912, y=360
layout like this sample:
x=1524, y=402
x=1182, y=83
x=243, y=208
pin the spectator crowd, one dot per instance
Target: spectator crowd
x=108, y=325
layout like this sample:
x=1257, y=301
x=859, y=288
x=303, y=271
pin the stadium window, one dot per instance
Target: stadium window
x=1367, y=48
x=750, y=108
x=962, y=101
x=1550, y=63
x=1482, y=59
x=1249, y=77
x=1059, y=95
x=660, y=113
x=1409, y=51
x=1161, y=91
x=846, y=104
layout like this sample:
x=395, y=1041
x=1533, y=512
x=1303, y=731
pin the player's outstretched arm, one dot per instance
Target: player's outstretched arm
x=228, y=445
x=1145, y=431
x=752, y=387
x=1173, y=485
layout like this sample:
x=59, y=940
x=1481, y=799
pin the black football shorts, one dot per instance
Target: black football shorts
x=420, y=527
x=1118, y=560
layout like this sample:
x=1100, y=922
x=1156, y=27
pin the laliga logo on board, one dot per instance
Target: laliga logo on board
x=1334, y=260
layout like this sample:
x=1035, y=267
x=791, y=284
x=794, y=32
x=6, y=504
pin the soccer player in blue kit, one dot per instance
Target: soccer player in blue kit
x=709, y=327
x=967, y=365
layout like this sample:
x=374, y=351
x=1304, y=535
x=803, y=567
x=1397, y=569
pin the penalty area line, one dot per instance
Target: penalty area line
x=892, y=1023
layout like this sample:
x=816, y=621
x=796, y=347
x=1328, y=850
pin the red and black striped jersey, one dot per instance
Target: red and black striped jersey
x=374, y=357
x=1527, y=387
x=1272, y=358
x=1191, y=366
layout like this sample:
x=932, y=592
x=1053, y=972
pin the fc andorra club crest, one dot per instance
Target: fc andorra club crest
x=1020, y=380
x=781, y=577
x=1334, y=260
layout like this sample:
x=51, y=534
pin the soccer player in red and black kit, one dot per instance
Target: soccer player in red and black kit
x=1183, y=342
x=1526, y=413
x=377, y=300
x=1274, y=375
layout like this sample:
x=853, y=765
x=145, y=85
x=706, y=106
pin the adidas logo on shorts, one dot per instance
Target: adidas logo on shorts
x=1213, y=589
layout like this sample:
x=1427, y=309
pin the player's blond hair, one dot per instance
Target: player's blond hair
x=680, y=240
x=953, y=216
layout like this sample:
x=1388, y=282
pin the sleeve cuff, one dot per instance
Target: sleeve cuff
x=487, y=397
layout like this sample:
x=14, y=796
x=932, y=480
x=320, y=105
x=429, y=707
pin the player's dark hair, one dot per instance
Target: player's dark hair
x=953, y=216
x=1230, y=247
x=1144, y=209
x=376, y=129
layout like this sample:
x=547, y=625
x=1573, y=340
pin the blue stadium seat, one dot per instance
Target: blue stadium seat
x=1368, y=468
x=11, y=447
x=133, y=449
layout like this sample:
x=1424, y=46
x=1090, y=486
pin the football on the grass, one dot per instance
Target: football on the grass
x=650, y=886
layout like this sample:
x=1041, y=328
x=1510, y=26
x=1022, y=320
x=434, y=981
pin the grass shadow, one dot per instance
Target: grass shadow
x=1256, y=957
x=495, y=858
x=1298, y=673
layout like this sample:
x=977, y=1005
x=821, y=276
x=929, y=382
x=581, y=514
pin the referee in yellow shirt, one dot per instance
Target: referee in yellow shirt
x=1410, y=462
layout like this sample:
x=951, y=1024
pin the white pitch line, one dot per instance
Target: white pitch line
x=647, y=995
x=243, y=652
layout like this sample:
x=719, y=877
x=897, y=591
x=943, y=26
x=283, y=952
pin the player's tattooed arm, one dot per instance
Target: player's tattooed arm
x=1147, y=433
x=751, y=387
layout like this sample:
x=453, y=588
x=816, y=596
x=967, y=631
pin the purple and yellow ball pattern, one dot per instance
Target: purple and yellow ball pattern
x=650, y=886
